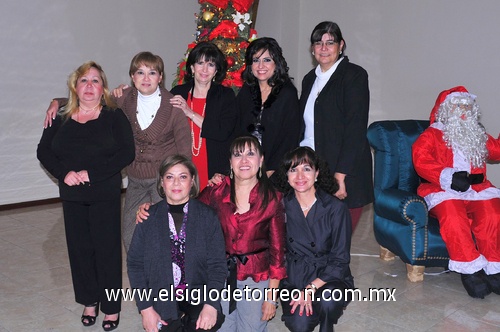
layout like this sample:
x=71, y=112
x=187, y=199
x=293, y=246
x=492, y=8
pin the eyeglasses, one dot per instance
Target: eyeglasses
x=327, y=43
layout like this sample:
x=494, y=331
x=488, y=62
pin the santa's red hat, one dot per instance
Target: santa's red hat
x=440, y=99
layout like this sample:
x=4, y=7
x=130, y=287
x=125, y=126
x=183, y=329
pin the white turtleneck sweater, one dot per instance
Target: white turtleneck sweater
x=147, y=106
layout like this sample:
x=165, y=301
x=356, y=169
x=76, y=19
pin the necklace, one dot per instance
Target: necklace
x=86, y=112
x=195, y=150
x=307, y=207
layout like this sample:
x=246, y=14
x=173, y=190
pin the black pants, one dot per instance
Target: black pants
x=188, y=322
x=325, y=313
x=94, y=247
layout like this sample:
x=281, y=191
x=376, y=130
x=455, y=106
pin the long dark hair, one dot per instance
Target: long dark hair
x=306, y=155
x=266, y=189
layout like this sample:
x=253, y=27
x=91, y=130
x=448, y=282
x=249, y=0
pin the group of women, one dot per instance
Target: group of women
x=223, y=135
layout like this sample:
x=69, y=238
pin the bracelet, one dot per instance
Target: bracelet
x=313, y=286
x=276, y=304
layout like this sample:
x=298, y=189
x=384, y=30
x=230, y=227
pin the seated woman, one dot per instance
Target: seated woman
x=318, y=243
x=181, y=244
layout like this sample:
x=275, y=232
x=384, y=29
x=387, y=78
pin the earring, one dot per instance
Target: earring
x=340, y=53
x=316, y=180
x=312, y=52
x=260, y=172
x=231, y=174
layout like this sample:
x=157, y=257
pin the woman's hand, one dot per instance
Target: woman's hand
x=150, y=320
x=304, y=303
x=179, y=102
x=74, y=178
x=216, y=179
x=51, y=113
x=118, y=92
x=342, y=192
x=207, y=318
x=268, y=311
x=142, y=213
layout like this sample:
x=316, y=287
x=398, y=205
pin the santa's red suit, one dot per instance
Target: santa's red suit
x=461, y=213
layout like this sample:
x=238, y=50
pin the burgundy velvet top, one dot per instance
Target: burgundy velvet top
x=251, y=231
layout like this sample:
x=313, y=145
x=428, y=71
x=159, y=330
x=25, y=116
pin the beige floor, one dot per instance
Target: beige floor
x=36, y=292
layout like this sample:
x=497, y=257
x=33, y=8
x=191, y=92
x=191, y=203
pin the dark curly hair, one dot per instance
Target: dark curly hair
x=306, y=155
x=259, y=46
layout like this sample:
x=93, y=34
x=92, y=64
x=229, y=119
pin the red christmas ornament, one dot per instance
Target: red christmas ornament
x=230, y=61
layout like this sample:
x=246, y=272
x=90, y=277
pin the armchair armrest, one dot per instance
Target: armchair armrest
x=402, y=207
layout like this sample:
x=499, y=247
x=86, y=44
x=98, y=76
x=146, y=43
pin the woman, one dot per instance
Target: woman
x=159, y=131
x=268, y=102
x=318, y=248
x=181, y=244
x=86, y=148
x=334, y=102
x=253, y=222
x=210, y=109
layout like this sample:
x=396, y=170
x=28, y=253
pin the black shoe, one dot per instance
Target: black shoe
x=493, y=281
x=475, y=284
x=88, y=320
x=110, y=325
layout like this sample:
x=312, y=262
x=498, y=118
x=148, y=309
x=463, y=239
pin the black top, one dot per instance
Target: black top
x=218, y=126
x=281, y=121
x=103, y=147
x=320, y=249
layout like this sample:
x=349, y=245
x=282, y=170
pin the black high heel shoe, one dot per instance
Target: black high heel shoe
x=111, y=324
x=88, y=320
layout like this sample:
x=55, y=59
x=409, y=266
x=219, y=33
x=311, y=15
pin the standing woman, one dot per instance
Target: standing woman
x=159, y=131
x=335, y=101
x=253, y=222
x=86, y=148
x=210, y=109
x=268, y=102
x=179, y=247
x=318, y=230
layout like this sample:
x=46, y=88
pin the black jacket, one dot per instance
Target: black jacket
x=340, y=125
x=149, y=259
x=218, y=126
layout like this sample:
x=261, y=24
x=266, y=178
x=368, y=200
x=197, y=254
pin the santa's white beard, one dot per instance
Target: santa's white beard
x=468, y=136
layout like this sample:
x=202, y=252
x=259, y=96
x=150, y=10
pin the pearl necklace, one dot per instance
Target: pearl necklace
x=307, y=207
x=195, y=150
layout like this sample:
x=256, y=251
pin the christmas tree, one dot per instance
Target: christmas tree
x=227, y=24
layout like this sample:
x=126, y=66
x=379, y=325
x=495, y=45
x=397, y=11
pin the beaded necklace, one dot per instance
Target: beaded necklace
x=195, y=149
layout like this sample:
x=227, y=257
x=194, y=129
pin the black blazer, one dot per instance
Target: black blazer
x=340, y=125
x=281, y=122
x=218, y=126
x=321, y=251
x=149, y=259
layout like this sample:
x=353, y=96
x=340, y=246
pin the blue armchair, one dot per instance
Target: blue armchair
x=401, y=222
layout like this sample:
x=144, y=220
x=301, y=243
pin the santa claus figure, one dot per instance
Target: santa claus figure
x=450, y=156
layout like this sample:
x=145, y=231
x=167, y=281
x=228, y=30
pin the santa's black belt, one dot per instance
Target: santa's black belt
x=232, y=263
x=476, y=178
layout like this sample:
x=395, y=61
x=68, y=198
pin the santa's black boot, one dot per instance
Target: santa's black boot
x=475, y=284
x=493, y=281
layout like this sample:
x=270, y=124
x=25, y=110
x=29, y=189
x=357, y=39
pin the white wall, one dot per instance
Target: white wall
x=42, y=42
x=411, y=49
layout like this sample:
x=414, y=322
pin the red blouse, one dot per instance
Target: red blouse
x=251, y=231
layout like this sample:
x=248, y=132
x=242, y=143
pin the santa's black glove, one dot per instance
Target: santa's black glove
x=460, y=181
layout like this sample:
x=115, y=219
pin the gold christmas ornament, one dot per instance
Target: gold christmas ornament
x=208, y=15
